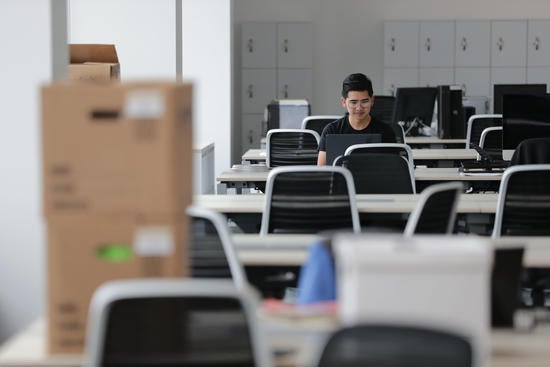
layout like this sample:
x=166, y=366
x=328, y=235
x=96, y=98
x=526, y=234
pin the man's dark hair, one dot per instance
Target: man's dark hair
x=356, y=82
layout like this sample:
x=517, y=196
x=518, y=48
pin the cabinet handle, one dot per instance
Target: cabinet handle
x=392, y=45
x=500, y=43
x=285, y=45
x=250, y=91
x=463, y=90
x=536, y=43
x=392, y=89
x=250, y=45
x=285, y=91
x=250, y=136
x=428, y=44
x=464, y=43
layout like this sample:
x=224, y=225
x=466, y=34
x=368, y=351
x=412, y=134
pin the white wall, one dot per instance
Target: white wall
x=349, y=34
x=148, y=36
x=207, y=61
x=27, y=62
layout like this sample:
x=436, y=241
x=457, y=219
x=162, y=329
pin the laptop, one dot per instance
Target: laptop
x=337, y=144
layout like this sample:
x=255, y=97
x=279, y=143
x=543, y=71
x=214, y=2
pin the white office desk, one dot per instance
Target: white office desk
x=301, y=335
x=434, y=141
x=366, y=203
x=292, y=249
x=242, y=179
x=419, y=155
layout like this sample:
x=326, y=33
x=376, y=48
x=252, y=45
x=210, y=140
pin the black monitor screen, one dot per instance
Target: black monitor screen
x=500, y=90
x=414, y=104
x=524, y=117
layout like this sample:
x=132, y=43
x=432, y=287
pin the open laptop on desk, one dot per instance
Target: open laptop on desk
x=338, y=143
x=485, y=165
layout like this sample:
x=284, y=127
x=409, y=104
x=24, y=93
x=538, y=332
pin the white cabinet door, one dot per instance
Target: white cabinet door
x=538, y=43
x=258, y=88
x=258, y=45
x=437, y=44
x=474, y=81
x=251, y=131
x=432, y=77
x=472, y=40
x=539, y=75
x=294, y=45
x=401, y=44
x=508, y=46
x=295, y=84
x=399, y=77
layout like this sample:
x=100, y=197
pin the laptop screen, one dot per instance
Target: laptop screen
x=337, y=144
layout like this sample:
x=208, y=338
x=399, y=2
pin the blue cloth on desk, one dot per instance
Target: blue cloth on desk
x=317, y=282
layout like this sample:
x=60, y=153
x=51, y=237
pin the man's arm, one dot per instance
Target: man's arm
x=322, y=158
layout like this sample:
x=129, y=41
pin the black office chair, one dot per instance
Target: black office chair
x=318, y=122
x=285, y=147
x=523, y=209
x=395, y=346
x=435, y=211
x=174, y=322
x=478, y=123
x=309, y=199
x=379, y=173
x=211, y=252
x=532, y=151
x=491, y=142
x=380, y=168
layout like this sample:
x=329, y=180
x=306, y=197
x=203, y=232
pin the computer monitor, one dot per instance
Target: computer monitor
x=524, y=116
x=500, y=90
x=414, y=107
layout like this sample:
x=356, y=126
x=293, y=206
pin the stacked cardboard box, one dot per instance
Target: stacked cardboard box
x=93, y=62
x=117, y=178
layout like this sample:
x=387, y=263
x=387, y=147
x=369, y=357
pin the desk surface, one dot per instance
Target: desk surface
x=297, y=334
x=291, y=249
x=420, y=174
x=396, y=203
x=255, y=155
x=432, y=140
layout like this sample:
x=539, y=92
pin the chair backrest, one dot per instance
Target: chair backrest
x=374, y=345
x=491, y=141
x=285, y=147
x=532, y=151
x=476, y=125
x=379, y=173
x=435, y=211
x=402, y=149
x=318, y=122
x=523, y=207
x=212, y=254
x=309, y=199
x=168, y=322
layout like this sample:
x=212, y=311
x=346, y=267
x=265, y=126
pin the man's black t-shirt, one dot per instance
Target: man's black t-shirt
x=342, y=126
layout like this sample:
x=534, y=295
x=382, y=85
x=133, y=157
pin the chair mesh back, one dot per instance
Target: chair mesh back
x=292, y=148
x=177, y=331
x=308, y=202
x=318, y=124
x=394, y=346
x=493, y=144
x=382, y=150
x=379, y=173
x=207, y=258
x=480, y=124
x=436, y=213
x=526, y=209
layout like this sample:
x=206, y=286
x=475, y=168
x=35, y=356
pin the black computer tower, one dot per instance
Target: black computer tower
x=450, y=114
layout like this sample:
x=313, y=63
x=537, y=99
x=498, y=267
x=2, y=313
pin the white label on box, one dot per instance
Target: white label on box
x=153, y=241
x=144, y=104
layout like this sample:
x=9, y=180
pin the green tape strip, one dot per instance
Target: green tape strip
x=115, y=253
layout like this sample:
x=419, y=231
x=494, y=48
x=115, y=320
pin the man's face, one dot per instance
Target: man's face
x=358, y=104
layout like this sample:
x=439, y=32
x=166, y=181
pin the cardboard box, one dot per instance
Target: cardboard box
x=117, y=148
x=93, y=62
x=84, y=251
